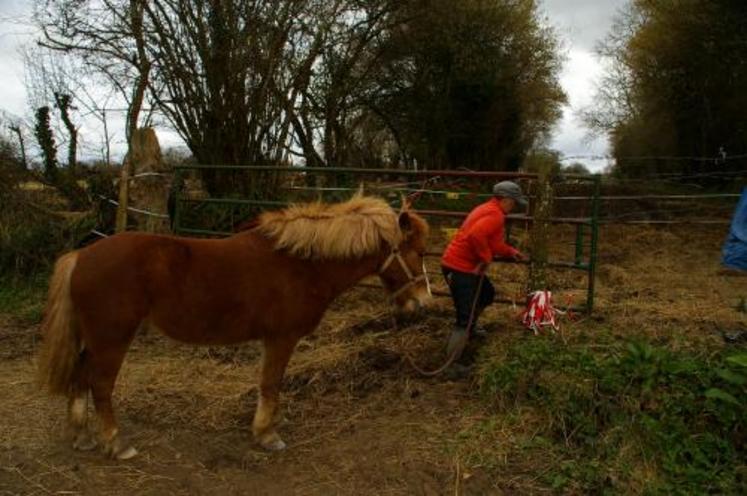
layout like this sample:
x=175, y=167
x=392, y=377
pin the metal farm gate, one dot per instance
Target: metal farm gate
x=444, y=197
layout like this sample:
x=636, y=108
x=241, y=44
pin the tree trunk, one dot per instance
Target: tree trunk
x=107, y=145
x=63, y=104
x=45, y=138
x=22, y=144
x=136, y=18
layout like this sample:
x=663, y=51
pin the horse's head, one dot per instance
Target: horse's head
x=403, y=271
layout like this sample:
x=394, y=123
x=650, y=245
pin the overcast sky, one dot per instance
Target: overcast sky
x=12, y=92
x=580, y=24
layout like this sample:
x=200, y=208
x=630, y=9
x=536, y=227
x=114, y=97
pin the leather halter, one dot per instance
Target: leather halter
x=411, y=278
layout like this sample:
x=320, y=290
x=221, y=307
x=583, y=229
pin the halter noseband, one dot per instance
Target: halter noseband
x=411, y=278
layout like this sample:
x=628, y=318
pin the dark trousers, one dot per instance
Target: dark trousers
x=463, y=286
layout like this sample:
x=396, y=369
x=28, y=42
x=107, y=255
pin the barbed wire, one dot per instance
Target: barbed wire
x=661, y=212
x=133, y=209
x=716, y=222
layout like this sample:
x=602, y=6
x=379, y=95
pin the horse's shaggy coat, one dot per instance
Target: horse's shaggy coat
x=271, y=283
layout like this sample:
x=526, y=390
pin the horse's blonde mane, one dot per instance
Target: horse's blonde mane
x=353, y=229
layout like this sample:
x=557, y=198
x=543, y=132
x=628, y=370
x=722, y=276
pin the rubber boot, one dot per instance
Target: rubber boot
x=457, y=342
x=479, y=331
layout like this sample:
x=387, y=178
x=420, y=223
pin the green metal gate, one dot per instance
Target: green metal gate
x=306, y=183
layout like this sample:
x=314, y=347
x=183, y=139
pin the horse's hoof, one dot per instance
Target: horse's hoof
x=84, y=442
x=126, y=454
x=272, y=442
x=275, y=445
x=119, y=450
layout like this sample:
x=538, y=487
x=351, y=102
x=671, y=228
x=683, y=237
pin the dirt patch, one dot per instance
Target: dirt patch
x=17, y=340
x=354, y=420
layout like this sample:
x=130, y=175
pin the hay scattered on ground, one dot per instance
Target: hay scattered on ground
x=359, y=420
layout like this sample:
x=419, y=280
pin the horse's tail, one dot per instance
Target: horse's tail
x=61, y=339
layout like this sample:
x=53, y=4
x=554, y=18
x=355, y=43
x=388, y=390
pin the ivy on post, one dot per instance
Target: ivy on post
x=44, y=136
x=540, y=228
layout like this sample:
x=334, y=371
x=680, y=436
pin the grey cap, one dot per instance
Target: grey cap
x=509, y=189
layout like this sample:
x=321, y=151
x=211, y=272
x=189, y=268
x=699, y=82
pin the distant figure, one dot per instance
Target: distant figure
x=721, y=159
x=480, y=238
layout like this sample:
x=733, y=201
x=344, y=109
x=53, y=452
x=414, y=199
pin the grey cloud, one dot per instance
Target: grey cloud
x=582, y=23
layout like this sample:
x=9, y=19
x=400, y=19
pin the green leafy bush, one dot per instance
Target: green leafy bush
x=684, y=413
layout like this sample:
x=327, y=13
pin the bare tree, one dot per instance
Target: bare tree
x=16, y=129
x=231, y=77
x=138, y=94
x=101, y=33
x=334, y=108
x=229, y=73
x=10, y=150
x=97, y=106
x=614, y=99
x=60, y=78
x=108, y=36
x=247, y=82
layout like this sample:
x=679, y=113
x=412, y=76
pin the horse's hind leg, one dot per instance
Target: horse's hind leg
x=275, y=358
x=106, y=342
x=105, y=368
x=78, y=406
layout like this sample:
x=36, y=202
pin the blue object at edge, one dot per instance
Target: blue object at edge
x=735, y=247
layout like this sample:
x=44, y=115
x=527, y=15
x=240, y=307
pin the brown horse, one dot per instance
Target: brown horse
x=272, y=283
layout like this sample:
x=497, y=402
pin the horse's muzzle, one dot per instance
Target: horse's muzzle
x=411, y=311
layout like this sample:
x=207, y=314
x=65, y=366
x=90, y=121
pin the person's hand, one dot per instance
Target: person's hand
x=520, y=257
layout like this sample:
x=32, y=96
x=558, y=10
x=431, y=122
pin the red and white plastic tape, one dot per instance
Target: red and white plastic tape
x=540, y=312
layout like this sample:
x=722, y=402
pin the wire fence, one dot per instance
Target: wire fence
x=719, y=158
x=655, y=208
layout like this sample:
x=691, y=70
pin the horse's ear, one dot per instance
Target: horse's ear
x=405, y=222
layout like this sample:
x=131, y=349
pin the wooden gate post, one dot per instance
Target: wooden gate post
x=144, y=183
x=540, y=228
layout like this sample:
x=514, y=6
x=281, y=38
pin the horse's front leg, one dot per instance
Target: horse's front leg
x=275, y=358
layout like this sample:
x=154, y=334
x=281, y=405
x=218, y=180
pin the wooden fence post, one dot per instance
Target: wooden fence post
x=124, y=192
x=144, y=167
x=540, y=229
x=150, y=182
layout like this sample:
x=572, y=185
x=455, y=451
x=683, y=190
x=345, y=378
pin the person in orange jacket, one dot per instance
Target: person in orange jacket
x=480, y=238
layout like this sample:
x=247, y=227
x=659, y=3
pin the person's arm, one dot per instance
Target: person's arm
x=493, y=229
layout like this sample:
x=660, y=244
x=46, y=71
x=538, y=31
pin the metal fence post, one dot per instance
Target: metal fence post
x=593, y=244
x=579, y=244
x=177, y=198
